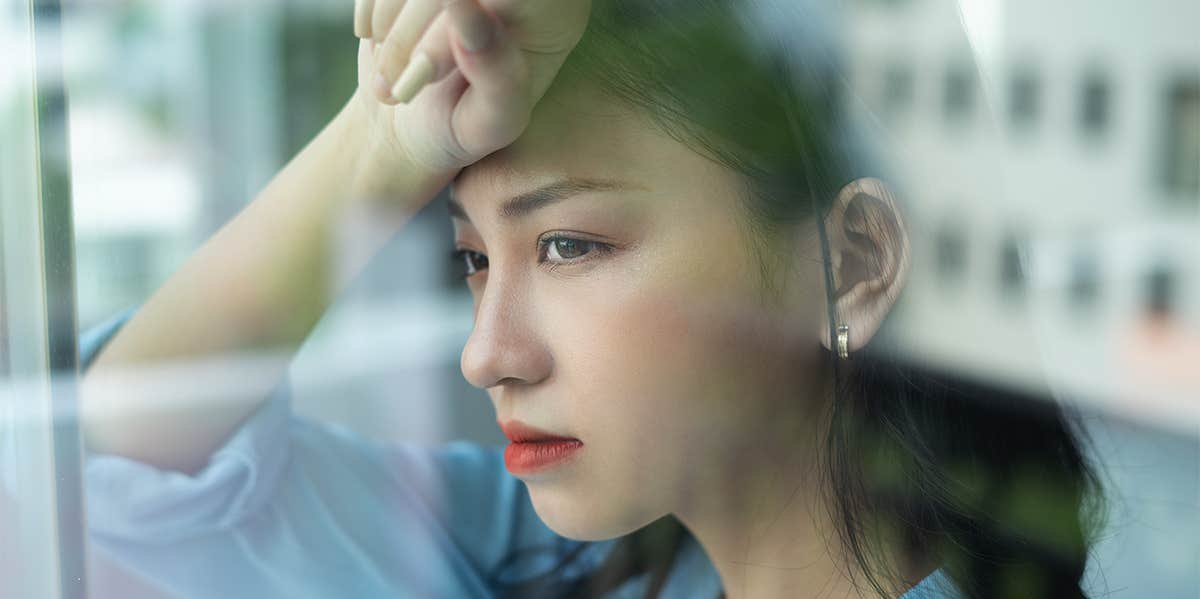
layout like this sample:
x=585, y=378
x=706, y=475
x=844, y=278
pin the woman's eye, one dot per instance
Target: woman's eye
x=567, y=249
x=554, y=251
x=472, y=261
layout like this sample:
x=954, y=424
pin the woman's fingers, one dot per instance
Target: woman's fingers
x=384, y=18
x=433, y=58
x=474, y=28
x=431, y=61
x=495, y=108
x=483, y=51
x=474, y=32
x=394, y=55
x=364, y=11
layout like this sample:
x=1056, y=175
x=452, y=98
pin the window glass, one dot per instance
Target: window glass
x=328, y=299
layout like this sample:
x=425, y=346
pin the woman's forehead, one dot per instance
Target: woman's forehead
x=560, y=144
x=576, y=120
x=579, y=133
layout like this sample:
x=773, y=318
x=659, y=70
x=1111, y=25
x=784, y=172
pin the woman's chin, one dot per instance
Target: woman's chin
x=585, y=517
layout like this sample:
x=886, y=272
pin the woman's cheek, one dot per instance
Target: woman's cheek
x=658, y=366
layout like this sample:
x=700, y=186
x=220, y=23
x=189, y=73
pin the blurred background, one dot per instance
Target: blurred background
x=1049, y=155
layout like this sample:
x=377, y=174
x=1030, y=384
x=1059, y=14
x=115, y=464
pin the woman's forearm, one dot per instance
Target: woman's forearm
x=260, y=283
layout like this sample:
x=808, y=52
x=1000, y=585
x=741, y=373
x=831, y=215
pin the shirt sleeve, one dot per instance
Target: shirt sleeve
x=506, y=537
x=292, y=507
x=131, y=500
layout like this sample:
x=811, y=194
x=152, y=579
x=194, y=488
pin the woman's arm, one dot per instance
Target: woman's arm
x=262, y=281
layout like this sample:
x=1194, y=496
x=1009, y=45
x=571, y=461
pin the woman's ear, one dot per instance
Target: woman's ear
x=869, y=257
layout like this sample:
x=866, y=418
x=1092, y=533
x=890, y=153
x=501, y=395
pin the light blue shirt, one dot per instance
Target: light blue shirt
x=294, y=508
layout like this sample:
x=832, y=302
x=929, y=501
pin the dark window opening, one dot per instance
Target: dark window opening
x=897, y=90
x=1012, y=273
x=1095, y=106
x=1182, y=155
x=1024, y=99
x=951, y=251
x=959, y=93
x=1159, y=294
x=1084, y=286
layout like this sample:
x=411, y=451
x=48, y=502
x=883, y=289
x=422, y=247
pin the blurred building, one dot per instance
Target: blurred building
x=1050, y=160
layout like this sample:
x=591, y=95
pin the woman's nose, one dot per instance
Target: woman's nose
x=504, y=347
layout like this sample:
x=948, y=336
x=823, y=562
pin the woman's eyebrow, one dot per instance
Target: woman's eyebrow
x=522, y=205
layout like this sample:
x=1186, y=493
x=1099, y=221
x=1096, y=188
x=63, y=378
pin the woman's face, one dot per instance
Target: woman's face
x=623, y=305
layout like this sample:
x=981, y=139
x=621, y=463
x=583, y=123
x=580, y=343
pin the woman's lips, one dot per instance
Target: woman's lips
x=533, y=450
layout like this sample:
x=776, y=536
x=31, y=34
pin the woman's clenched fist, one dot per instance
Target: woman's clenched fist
x=446, y=82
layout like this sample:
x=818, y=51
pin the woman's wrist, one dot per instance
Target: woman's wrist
x=386, y=171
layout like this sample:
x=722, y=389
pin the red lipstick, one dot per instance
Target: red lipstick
x=533, y=450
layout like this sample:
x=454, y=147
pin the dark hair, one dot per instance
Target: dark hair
x=989, y=484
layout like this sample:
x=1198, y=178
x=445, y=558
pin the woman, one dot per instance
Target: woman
x=678, y=260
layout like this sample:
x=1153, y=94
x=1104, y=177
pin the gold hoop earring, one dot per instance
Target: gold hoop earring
x=843, y=341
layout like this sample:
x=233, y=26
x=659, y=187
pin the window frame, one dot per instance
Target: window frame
x=44, y=449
